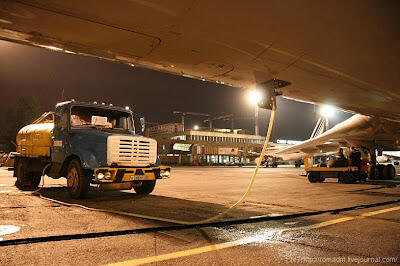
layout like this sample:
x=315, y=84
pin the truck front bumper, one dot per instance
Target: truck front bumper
x=121, y=175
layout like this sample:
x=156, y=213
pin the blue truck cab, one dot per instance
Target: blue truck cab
x=95, y=145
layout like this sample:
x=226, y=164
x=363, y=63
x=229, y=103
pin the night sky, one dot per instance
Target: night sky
x=26, y=70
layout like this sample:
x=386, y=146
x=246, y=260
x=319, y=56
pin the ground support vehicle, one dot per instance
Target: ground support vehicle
x=348, y=174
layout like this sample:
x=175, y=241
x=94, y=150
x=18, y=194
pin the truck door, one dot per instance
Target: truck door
x=60, y=134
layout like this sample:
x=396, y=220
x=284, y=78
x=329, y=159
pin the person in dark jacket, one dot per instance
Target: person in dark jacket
x=340, y=159
x=340, y=155
x=355, y=156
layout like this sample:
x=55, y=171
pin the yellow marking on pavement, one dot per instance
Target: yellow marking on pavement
x=214, y=247
x=181, y=254
x=379, y=211
x=319, y=225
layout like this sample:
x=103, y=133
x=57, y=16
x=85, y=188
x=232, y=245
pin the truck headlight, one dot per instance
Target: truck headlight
x=107, y=175
x=165, y=174
x=100, y=176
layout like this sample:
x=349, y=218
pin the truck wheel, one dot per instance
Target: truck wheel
x=146, y=188
x=78, y=180
x=22, y=175
x=313, y=177
x=347, y=177
x=36, y=177
x=373, y=172
x=24, y=178
x=391, y=171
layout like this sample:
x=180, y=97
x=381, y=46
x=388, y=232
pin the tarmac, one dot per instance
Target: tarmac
x=285, y=220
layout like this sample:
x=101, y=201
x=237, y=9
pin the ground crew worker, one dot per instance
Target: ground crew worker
x=355, y=156
x=340, y=160
x=340, y=155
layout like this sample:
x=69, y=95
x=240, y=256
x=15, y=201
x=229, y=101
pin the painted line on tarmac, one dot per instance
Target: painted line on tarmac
x=214, y=247
x=265, y=218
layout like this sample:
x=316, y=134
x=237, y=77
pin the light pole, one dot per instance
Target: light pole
x=254, y=97
x=256, y=120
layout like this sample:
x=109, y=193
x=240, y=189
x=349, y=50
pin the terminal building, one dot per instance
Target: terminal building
x=205, y=146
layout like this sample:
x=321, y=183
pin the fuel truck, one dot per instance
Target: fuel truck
x=91, y=145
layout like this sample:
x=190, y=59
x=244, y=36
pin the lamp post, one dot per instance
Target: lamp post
x=254, y=97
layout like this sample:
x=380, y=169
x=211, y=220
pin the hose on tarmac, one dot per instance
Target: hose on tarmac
x=244, y=196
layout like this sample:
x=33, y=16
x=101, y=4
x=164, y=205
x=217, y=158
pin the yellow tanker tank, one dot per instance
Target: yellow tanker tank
x=35, y=140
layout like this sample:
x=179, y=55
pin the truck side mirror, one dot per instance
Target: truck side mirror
x=143, y=124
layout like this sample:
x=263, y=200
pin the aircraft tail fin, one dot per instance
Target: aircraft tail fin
x=320, y=127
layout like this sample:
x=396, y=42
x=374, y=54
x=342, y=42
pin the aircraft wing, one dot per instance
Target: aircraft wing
x=358, y=130
x=392, y=154
x=345, y=53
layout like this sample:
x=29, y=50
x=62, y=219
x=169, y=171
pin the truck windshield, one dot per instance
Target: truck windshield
x=84, y=117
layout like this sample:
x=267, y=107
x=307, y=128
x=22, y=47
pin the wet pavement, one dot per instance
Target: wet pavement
x=365, y=235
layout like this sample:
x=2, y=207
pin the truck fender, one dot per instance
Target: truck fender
x=89, y=160
x=63, y=169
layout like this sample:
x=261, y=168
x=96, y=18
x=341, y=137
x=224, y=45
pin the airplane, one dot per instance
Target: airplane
x=364, y=132
x=389, y=156
x=277, y=154
x=343, y=53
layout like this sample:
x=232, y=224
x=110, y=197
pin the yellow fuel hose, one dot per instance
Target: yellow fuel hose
x=244, y=196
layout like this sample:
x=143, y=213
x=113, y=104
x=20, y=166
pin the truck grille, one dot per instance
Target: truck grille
x=131, y=151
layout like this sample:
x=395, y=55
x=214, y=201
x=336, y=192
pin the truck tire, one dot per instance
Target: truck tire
x=78, y=180
x=347, y=177
x=23, y=179
x=391, y=171
x=146, y=188
x=313, y=177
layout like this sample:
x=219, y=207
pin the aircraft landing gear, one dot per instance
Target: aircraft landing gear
x=391, y=171
x=382, y=172
x=373, y=172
